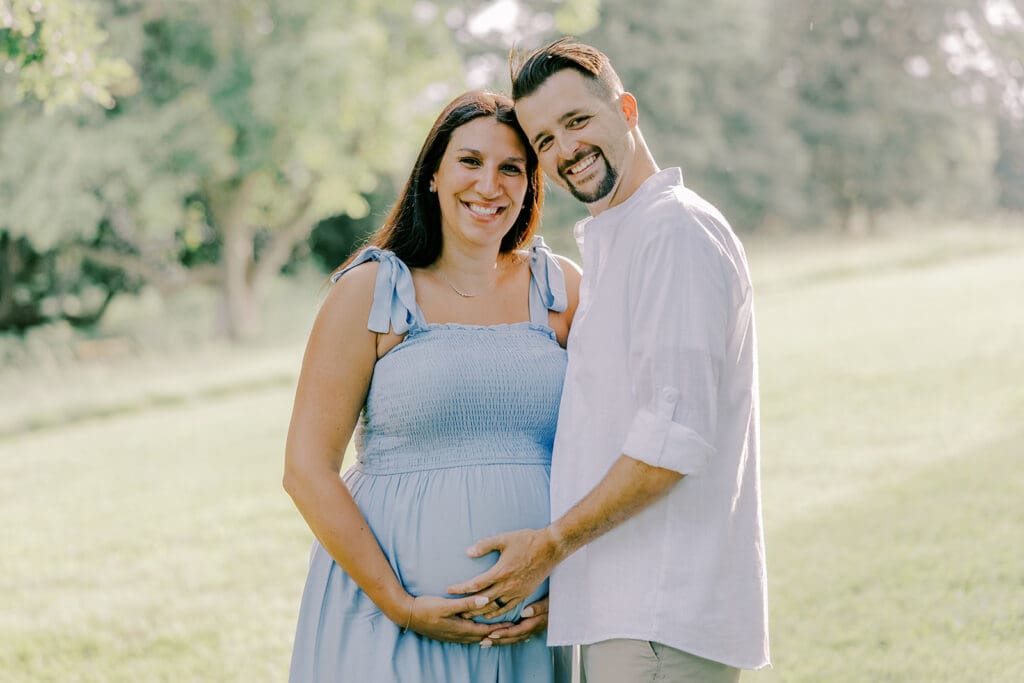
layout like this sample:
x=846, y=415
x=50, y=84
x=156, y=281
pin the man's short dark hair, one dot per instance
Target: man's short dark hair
x=530, y=73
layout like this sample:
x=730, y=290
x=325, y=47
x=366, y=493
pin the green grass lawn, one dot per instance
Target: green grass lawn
x=152, y=547
x=157, y=545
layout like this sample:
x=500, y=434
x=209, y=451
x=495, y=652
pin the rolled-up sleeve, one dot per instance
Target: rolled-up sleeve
x=679, y=318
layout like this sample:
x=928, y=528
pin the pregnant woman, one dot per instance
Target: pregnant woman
x=442, y=346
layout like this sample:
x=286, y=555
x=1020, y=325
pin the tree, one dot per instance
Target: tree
x=55, y=51
x=983, y=47
x=708, y=102
x=53, y=56
x=807, y=111
x=252, y=123
x=878, y=107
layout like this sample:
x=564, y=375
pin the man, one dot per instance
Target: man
x=655, y=498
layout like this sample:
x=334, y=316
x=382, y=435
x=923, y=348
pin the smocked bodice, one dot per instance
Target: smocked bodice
x=451, y=395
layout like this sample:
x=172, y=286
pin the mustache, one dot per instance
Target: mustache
x=580, y=156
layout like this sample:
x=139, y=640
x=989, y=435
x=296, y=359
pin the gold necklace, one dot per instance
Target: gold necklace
x=465, y=295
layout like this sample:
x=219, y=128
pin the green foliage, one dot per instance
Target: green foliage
x=335, y=238
x=55, y=49
x=875, y=108
x=577, y=16
x=707, y=100
x=106, y=168
x=249, y=120
x=41, y=286
x=806, y=111
x=250, y=123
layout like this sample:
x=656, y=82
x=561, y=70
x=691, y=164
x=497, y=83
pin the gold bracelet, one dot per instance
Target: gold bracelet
x=408, y=619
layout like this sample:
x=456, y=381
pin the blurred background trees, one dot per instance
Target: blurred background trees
x=146, y=144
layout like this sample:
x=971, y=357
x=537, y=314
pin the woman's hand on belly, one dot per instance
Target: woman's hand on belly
x=438, y=618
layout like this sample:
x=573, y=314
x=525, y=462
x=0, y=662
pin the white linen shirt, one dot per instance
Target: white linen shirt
x=663, y=368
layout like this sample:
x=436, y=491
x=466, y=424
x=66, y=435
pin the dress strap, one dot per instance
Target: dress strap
x=394, y=297
x=547, y=283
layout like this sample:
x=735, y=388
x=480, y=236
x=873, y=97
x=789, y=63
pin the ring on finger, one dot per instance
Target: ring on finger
x=499, y=602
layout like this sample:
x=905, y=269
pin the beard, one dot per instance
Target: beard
x=606, y=185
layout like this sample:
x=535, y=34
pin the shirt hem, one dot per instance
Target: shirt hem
x=745, y=664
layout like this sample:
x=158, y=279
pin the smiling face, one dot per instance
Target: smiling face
x=480, y=182
x=582, y=139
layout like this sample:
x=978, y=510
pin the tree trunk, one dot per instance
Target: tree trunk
x=239, y=308
x=238, y=315
x=243, y=278
x=14, y=315
x=93, y=317
x=872, y=221
x=8, y=264
x=845, y=212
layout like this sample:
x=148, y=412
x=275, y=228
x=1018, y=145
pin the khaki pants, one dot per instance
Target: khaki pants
x=640, y=661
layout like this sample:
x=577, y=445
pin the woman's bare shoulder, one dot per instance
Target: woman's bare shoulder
x=350, y=297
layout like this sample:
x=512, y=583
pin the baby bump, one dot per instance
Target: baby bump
x=425, y=521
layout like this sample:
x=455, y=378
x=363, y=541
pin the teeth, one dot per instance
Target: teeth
x=483, y=210
x=583, y=165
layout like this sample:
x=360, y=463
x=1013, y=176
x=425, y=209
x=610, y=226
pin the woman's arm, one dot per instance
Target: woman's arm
x=332, y=388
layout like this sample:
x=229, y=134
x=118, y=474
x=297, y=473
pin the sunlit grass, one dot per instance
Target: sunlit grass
x=918, y=580
x=157, y=545
x=892, y=439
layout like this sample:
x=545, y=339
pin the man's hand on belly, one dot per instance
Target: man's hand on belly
x=528, y=556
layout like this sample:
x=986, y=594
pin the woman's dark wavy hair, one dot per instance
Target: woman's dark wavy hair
x=413, y=227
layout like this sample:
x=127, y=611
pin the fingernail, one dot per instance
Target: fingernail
x=471, y=550
x=484, y=644
x=481, y=600
x=495, y=636
x=527, y=613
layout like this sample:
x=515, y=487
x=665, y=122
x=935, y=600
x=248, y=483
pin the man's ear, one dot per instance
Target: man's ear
x=627, y=104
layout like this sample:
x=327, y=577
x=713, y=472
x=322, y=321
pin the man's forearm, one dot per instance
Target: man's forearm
x=628, y=487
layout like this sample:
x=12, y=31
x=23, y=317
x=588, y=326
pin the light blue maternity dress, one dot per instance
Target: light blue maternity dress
x=453, y=445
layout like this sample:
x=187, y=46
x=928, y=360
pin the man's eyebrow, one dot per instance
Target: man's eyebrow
x=561, y=119
x=568, y=115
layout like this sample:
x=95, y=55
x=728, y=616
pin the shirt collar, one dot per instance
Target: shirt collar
x=660, y=181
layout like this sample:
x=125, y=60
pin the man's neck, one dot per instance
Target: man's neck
x=642, y=167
